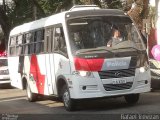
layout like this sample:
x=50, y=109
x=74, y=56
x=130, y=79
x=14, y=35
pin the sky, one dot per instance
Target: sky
x=2, y=0
x=152, y=2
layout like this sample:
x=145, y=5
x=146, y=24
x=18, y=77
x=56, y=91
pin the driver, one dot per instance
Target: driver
x=116, y=38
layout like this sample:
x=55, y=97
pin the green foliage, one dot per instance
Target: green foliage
x=49, y=6
x=113, y=4
x=22, y=11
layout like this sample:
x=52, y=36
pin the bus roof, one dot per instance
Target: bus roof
x=95, y=12
x=57, y=18
x=60, y=18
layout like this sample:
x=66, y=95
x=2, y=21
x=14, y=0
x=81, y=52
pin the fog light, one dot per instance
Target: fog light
x=84, y=87
x=146, y=81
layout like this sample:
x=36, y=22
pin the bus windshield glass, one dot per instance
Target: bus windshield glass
x=109, y=32
x=3, y=62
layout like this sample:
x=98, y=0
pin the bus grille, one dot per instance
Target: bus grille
x=112, y=87
x=117, y=73
x=4, y=72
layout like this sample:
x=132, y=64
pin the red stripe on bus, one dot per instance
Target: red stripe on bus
x=38, y=77
x=88, y=64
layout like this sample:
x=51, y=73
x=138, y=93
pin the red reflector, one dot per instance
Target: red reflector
x=88, y=64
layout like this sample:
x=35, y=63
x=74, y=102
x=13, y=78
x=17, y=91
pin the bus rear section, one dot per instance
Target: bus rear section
x=84, y=62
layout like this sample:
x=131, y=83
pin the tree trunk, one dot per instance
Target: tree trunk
x=35, y=12
x=5, y=24
x=136, y=12
x=145, y=9
x=4, y=5
x=36, y=4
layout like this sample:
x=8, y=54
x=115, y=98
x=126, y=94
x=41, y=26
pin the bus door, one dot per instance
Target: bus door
x=60, y=58
x=49, y=60
x=56, y=61
x=15, y=49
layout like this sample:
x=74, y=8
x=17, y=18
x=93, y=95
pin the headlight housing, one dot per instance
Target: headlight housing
x=143, y=69
x=83, y=73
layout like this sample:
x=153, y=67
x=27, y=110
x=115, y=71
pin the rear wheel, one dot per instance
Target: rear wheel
x=69, y=103
x=31, y=96
x=132, y=98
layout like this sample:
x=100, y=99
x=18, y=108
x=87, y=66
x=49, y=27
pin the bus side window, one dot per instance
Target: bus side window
x=29, y=48
x=39, y=41
x=12, y=46
x=48, y=44
x=59, y=40
x=19, y=45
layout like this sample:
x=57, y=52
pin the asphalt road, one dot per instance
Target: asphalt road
x=13, y=101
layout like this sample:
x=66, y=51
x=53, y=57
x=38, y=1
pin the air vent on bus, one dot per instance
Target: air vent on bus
x=112, y=87
x=120, y=73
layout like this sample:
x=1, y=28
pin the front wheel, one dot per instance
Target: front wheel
x=31, y=96
x=69, y=103
x=132, y=98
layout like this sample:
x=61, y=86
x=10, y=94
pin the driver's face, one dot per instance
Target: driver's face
x=116, y=33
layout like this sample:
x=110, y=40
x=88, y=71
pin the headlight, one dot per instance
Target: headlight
x=142, y=69
x=83, y=73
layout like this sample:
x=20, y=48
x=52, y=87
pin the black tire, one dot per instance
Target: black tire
x=132, y=98
x=69, y=103
x=30, y=96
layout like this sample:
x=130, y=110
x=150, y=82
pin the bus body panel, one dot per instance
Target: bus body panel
x=96, y=87
x=44, y=70
x=49, y=63
x=15, y=76
x=37, y=68
x=62, y=65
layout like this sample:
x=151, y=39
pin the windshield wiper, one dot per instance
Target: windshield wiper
x=96, y=49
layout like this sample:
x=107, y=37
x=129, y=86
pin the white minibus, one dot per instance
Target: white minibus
x=76, y=55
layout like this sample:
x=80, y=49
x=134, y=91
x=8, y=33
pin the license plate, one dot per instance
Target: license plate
x=121, y=81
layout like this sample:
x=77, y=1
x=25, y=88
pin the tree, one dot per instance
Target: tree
x=113, y=4
x=90, y=2
x=5, y=24
x=21, y=11
x=139, y=11
x=17, y=13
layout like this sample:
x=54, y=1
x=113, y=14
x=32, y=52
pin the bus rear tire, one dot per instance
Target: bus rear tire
x=69, y=103
x=132, y=98
x=30, y=96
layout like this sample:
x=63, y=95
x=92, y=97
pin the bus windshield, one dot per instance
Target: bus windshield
x=109, y=32
x=3, y=62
